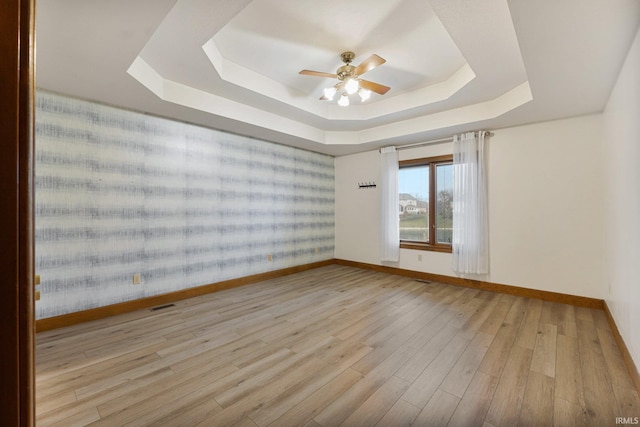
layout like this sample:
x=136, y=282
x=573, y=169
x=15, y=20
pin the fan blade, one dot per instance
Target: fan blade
x=374, y=87
x=369, y=64
x=318, y=74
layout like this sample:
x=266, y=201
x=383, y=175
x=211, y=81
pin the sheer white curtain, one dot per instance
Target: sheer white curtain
x=390, y=202
x=470, y=220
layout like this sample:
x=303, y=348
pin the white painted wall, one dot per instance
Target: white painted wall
x=545, y=208
x=621, y=148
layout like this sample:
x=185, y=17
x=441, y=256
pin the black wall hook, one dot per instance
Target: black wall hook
x=366, y=185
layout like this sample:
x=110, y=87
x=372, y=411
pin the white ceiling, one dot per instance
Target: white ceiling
x=452, y=65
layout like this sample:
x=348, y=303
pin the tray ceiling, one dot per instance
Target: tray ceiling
x=452, y=65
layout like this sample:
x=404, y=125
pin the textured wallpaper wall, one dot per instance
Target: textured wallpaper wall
x=120, y=193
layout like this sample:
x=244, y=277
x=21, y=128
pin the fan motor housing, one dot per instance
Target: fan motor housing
x=346, y=71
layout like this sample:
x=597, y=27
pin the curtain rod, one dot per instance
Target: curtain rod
x=434, y=141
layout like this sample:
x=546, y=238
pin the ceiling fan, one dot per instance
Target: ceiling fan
x=350, y=81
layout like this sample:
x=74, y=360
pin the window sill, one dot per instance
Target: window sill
x=426, y=247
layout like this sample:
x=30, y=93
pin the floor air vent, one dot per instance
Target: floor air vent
x=422, y=281
x=161, y=307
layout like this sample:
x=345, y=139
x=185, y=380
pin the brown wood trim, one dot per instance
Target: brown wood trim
x=26, y=224
x=433, y=199
x=425, y=160
x=575, y=300
x=49, y=323
x=406, y=244
x=624, y=350
x=17, y=91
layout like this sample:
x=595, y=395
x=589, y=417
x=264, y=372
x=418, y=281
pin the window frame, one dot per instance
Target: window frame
x=431, y=245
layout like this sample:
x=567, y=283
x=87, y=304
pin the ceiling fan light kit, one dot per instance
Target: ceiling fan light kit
x=350, y=81
x=329, y=93
x=351, y=86
x=364, y=94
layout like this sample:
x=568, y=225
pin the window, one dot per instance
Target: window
x=426, y=203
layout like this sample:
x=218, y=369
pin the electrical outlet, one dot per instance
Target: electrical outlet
x=419, y=257
x=269, y=257
x=136, y=279
x=316, y=250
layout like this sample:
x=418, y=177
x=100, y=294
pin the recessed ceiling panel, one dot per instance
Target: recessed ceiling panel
x=277, y=39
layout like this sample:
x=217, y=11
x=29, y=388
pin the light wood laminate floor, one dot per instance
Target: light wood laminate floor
x=338, y=346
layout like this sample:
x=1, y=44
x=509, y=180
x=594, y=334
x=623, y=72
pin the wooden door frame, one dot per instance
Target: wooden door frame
x=17, y=100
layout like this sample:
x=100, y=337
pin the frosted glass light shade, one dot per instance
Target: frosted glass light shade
x=329, y=93
x=344, y=100
x=351, y=86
